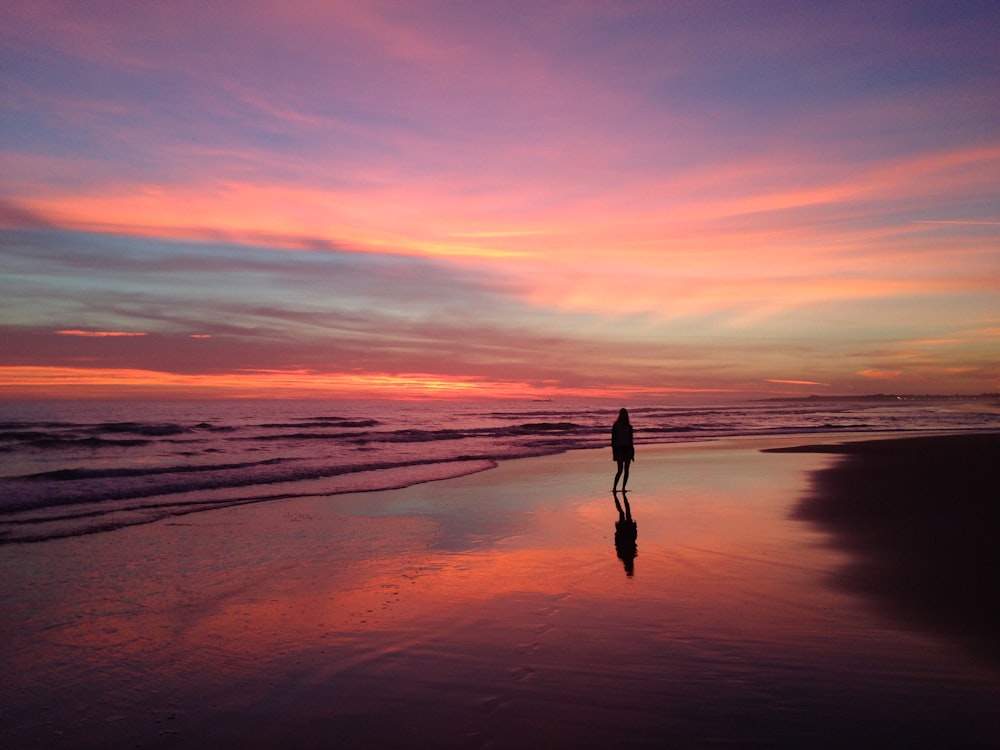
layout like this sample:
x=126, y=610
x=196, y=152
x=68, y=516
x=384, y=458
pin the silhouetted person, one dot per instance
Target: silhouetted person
x=625, y=535
x=622, y=448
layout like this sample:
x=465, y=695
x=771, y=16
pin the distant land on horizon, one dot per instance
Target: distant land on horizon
x=891, y=397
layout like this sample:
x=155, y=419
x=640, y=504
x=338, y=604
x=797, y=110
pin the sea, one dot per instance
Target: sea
x=69, y=468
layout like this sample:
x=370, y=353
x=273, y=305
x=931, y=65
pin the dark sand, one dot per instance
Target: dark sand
x=495, y=611
x=921, y=518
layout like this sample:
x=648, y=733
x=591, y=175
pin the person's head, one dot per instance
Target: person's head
x=623, y=415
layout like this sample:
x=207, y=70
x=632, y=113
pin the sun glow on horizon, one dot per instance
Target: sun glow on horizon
x=68, y=382
x=99, y=334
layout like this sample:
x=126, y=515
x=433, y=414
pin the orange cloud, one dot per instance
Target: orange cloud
x=99, y=334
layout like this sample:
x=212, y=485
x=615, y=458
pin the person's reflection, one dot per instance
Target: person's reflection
x=625, y=534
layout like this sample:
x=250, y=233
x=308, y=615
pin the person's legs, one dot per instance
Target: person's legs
x=625, y=478
x=621, y=466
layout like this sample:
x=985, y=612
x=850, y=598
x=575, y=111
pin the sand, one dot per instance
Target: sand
x=497, y=610
x=921, y=517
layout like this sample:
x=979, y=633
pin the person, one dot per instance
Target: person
x=622, y=448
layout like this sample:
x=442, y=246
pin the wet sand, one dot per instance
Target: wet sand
x=497, y=610
x=921, y=518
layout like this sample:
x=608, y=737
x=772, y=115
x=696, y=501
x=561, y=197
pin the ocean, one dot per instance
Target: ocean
x=70, y=468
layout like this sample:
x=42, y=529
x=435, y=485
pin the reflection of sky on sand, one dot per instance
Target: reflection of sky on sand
x=491, y=607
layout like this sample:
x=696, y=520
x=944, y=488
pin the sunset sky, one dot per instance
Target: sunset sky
x=642, y=200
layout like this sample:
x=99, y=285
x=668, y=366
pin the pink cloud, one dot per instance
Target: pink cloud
x=100, y=334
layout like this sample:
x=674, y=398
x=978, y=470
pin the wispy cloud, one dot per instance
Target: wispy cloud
x=99, y=334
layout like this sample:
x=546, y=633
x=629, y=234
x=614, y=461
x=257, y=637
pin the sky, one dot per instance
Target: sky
x=641, y=201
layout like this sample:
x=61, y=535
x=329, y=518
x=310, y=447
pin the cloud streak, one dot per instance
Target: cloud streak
x=99, y=334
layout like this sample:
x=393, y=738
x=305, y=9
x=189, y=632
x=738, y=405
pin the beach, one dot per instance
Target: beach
x=920, y=517
x=756, y=603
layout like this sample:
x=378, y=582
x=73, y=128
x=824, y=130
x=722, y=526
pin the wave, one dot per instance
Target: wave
x=42, y=424
x=416, y=435
x=24, y=436
x=75, y=486
x=548, y=426
x=336, y=423
x=61, y=521
x=139, y=428
x=69, y=435
x=301, y=436
x=605, y=415
x=75, y=435
x=66, y=475
x=46, y=441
